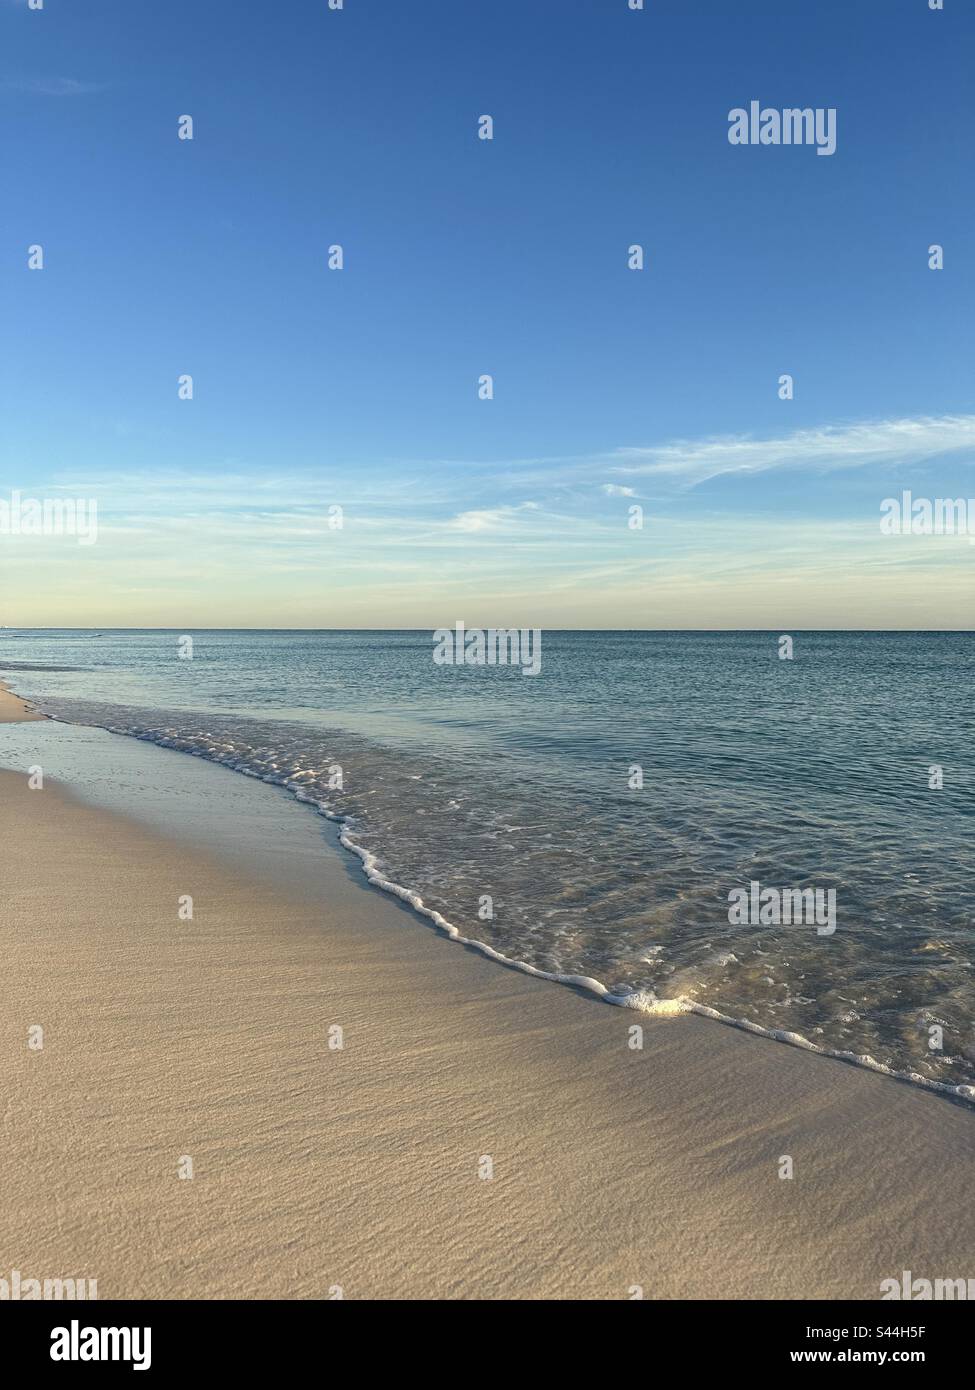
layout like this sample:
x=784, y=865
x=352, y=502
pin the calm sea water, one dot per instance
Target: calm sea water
x=476, y=783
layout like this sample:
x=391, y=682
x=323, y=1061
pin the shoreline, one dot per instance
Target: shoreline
x=15, y=710
x=614, y=1167
x=641, y=1003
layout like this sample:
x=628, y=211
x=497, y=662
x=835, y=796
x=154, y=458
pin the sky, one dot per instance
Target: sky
x=357, y=388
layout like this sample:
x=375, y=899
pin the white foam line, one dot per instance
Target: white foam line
x=644, y=1001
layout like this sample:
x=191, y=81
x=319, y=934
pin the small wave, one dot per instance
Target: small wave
x=31, y=666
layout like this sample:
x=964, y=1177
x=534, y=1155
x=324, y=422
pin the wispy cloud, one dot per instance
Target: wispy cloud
x=676, y=465
x=824, y=449
x=488, y=519
x=51, y=86
x=490, y=499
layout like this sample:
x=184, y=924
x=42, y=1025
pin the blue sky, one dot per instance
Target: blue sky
x=358, y=387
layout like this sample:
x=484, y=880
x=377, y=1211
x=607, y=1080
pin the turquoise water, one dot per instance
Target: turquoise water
x=472, y=783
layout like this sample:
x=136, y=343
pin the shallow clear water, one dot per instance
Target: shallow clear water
x=475, y=782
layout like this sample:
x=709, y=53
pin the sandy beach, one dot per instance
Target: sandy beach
x=14, y=710
x=478, y=1134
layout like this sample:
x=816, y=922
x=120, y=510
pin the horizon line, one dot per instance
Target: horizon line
x=782, y=628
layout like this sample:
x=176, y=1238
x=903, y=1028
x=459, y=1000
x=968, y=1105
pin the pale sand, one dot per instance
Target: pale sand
x=14, y=710
x=359, y=1168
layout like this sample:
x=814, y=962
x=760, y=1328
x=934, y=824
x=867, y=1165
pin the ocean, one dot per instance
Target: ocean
x=593, y=822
